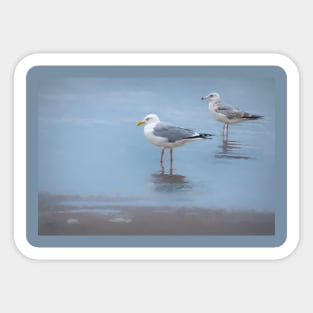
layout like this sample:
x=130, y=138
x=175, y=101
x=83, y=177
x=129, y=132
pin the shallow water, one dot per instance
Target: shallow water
x=89, y=145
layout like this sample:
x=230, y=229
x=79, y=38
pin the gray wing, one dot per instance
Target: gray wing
x=230, y=112
x=173, y=133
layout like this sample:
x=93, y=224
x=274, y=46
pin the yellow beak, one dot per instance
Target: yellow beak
x=140, y=123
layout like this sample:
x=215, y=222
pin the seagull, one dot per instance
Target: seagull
x=225, y=113
x=166, y=135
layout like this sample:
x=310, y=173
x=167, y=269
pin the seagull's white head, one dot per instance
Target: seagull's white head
x=213, y=96
x=149, y=119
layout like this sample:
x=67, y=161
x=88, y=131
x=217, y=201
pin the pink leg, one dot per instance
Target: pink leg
x=225, y=130
x=162, y=154
x=171, y=154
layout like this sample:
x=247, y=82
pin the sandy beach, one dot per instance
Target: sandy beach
x=58, y=218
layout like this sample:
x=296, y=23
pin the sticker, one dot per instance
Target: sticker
x=156, y=156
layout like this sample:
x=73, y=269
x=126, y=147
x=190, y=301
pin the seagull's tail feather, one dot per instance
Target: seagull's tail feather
x=206, y=136
x=251, y=116
x=201, y=136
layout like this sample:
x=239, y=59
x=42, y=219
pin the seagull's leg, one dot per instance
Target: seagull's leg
x=162, y=169
x=224, y=127
x=226, y=130
x=171, y=159
x=162, y=154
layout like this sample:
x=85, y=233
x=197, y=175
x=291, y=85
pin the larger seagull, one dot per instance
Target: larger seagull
x=225, y=113
x=166, y=135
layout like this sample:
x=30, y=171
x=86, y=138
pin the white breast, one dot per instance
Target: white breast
x=218, y=116
x=158, y=141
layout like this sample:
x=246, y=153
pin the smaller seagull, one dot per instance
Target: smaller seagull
x=167, y=135
x=225, y=113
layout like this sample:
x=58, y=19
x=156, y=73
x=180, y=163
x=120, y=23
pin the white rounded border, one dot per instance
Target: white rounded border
x=157, y=59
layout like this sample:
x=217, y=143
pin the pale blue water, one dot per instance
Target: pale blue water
x=89, y=144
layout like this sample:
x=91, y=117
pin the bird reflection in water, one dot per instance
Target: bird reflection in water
x=230, y=149
x=169, y=182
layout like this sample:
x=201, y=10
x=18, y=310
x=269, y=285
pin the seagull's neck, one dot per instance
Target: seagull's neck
x=150, y=126
x=214, y=103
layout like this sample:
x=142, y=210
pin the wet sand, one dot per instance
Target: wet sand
x=57, y=218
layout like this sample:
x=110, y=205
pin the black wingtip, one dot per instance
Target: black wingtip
x=255, y=117
x=206, y=136
x=249, y=116
x=202, y=136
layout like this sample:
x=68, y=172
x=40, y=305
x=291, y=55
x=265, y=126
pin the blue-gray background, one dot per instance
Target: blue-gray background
x=88, y=145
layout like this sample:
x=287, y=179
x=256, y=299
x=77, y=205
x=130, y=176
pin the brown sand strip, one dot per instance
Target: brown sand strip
x=155, y=221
